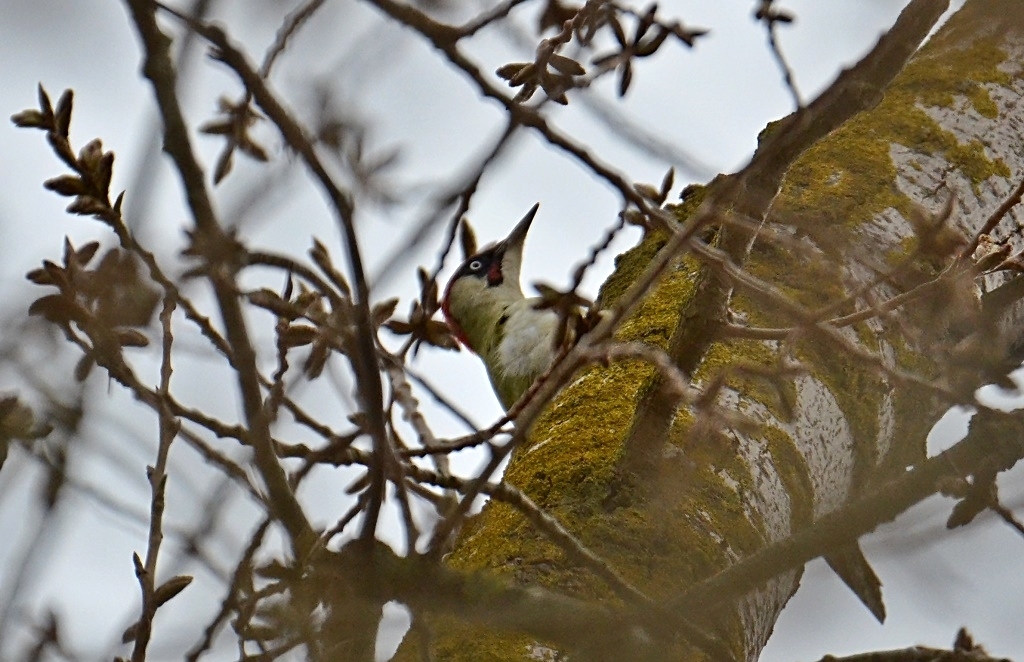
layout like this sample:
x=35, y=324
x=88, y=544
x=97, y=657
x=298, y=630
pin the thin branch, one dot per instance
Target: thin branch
x=544, y=522
x=159, y=69
x=917, y=654
x=647, y=138
x=486, y=18
x=411, y=411
x=808, y=324
x=440, y=399
x=445, y=38
x=363, y=358
x=993, y=220
x=573, y=547
x=877, y=310
x=453, y=445
x=291, y=25
x=292, y=266
x=461, y=191
x=230, y=602
x=157, y=474
x=771, y=18
x=1007, y=516
x=995, y=441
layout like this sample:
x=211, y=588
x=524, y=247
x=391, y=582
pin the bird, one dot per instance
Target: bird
x=486, y=310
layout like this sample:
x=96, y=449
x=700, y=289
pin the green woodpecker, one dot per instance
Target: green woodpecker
x=487, y=311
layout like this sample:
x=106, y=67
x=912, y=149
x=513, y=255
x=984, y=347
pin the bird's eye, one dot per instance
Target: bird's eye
x=475, y=265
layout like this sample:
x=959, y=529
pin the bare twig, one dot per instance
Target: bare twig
x=291, y=25
x=993, y=220
x=364, y=357
x=994, y=441
x=461, y=191
x=243, y=569
x=806, y=319
x=159, y=69
x=157, y=474
x=1007, y=516
x=771, y=18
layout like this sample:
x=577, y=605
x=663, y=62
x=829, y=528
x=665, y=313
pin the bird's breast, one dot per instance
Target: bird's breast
x=526, y=347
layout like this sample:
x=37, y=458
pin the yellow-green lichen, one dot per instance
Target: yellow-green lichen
x=628, y=266
x=809, y=280
x=568, y=467
x=472, y=644
x=827, y=186
x=657, y=314
x=983, y=102
x=793, y=472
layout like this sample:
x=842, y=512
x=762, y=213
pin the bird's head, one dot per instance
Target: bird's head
x=483, y=285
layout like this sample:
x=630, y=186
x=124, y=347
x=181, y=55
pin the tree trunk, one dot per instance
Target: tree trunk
x=799, y=417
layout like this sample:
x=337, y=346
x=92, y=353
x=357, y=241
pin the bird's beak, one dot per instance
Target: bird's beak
x=511, y=247
x=518, y=234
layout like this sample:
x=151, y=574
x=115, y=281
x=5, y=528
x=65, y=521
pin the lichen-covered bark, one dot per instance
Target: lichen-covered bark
x=950, y=124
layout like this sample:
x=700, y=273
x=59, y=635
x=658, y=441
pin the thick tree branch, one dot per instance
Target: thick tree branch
x=750, y=192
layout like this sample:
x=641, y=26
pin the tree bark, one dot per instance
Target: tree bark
x=807, y=419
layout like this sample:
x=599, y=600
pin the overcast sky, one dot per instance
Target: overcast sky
x=708, y=104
